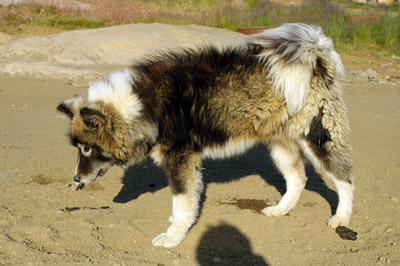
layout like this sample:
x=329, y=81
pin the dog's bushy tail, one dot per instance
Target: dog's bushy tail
x=292, y=52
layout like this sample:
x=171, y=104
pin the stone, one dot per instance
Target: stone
x=81, y=56
x=99, y=247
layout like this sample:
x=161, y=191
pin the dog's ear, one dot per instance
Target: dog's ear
x=68, y=107
x=95, y=119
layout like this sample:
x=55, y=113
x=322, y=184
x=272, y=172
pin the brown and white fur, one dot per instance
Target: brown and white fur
x=282, y=88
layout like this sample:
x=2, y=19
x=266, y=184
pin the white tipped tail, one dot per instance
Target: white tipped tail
x=291, y=54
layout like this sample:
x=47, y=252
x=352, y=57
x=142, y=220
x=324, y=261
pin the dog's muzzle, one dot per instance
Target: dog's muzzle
x=100, y=173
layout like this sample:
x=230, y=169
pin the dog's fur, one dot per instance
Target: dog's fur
x=282, y=88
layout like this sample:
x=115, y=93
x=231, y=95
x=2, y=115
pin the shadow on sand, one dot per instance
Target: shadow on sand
x=146, y=177
x=224, y=245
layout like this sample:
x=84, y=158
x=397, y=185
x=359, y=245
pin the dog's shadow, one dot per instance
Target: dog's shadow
x=146, y=177
x=225, y=245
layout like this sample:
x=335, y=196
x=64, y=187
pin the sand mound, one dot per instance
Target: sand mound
x=84, y=55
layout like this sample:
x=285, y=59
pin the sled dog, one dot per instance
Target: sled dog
x=281, y=88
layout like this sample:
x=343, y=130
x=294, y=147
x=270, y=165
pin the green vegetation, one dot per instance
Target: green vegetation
x=382, y=36
x=14, y=18
x=53, y=18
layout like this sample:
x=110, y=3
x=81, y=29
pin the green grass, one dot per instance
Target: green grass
x=12, y=20
x=330, y=15
x=382, y=37
x=70, y=22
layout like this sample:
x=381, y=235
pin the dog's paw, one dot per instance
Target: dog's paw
x=167, y=241
x=274, y=211
x=171, y=219
x=336, y=221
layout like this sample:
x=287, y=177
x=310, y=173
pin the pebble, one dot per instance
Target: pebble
x=394, y=198
x=388, y=230
x=371, y=74
x=99, y=247
x=384, y=259
x=386, y=65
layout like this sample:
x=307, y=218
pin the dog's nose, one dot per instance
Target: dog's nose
x=77, y=178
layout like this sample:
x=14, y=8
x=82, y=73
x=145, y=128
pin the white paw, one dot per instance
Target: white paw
x=167, y=241
x=275, y=211
x=336, y=221
x=171, y=219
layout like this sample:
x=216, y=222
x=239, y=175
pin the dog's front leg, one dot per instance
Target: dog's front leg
x=184, y=175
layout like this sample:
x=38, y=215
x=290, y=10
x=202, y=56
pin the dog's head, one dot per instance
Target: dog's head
x=91, y=132
x=108, y=127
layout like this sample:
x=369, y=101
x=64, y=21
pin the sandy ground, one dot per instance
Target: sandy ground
x=112, y=222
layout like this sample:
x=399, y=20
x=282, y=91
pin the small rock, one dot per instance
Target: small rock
x=387, y=77
x=371, y=74
x=356, y=72
x=388, y=230
x=346, y=233
x=394, y=199
x=384, y=259
x=99, y=247
x=386, y=65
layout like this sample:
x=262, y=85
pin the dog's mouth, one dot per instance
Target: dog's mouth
x=84, y=181
x=100, y=173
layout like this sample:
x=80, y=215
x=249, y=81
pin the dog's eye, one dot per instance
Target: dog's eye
x=86, y=150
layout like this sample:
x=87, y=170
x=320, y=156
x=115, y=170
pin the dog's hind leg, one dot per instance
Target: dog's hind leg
x=345, y=190
x=327, y=147
x=340, y=173
x=183, y=171
x=289, y=160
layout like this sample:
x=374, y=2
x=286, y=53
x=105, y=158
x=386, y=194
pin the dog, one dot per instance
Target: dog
x=282, y=88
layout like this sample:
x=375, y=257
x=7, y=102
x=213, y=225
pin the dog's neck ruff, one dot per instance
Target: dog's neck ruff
x=117, y=91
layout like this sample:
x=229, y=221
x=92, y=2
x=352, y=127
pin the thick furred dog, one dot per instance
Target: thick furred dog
x=282, y=88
